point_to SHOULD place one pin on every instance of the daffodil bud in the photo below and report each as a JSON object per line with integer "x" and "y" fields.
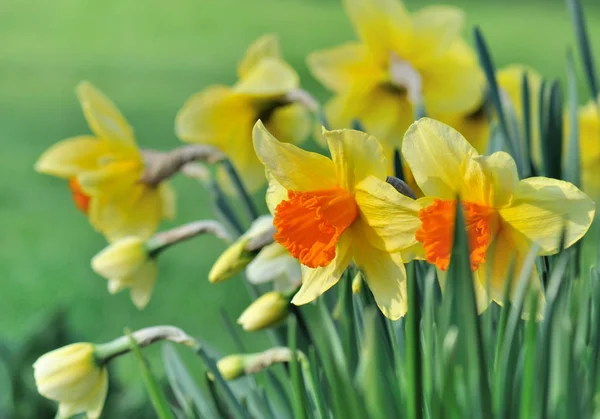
{"x": 238, "y": 365}
{"x": 268, "y": 310}
{"x": 74, "y": 378}
{"x": 232, "y": 366}
{"x": 127, "y": 263}
{"x": 239, "y": 255}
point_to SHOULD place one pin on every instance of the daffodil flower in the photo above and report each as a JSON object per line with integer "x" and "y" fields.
{"x": 223, "y": 116}
{"x": 589, "y": 143}
{"x": 104, "y": 172}
{"x": 72, "y": 376}
{"x": 329, "y": 212}
{"x": 503, "y": 215}
{"x": 401, "y": 62}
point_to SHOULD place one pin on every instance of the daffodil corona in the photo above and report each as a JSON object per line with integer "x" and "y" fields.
{"x": 401, "y": 62}
{"x": 504, "y": 216}
{"x": 224, "y": 116}
{"x": 104, "y": 172}
{"x": 329, "y": 212}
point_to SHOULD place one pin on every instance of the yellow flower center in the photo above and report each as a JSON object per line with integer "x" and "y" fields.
{"x": 437, "y": 231}
{"x": 82, "y": 201}
{"x": 309, "y": 224}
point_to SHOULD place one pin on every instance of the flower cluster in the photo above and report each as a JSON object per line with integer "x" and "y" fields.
{"x": 348, "y": 211}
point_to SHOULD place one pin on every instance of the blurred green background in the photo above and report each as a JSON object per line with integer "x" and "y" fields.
{"x": 149, "y": 57}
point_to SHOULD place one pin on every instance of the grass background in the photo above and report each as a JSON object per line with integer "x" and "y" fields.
{"x": 149, "y": 57}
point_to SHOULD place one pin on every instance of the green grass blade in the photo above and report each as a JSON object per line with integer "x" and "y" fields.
{"x": 552, "y": 131}
{"x": 413, "y": 345}
{"x": 347, "y": 321}
{"x": 572, "y": 167}
{"x": 529, "y": 364}
{"x": 299, "y": 399}
{"x": 585, "y": 50}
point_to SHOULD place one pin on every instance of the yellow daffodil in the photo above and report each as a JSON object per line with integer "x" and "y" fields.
{"x": 72, "y": 377}
{"x": 224, "y": 116}
{"x": 329, "y": 212}
{"x": 589, "y": 143}
{"x": 504, "y": 215}
{"x": 104, "y": 172}
{"x": 475, "y": 126}
{"x": 402, "y": 61}
{"x": 268, "y": 310}
{"x": 127, "y": 263}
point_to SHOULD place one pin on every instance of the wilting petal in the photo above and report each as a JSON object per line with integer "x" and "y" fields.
{"x": 71, "y": 157}
{"x": 543, "y": 207}
{"x": 291, "y": 166}
{"x": 142, "y": 284}
{"x": 269, "y": 77}
{"x": 267, "y": 46}
{"x": 355, "y": 155}
{"x": 442, "y": 162}
{"x": 102, "y": 115}
{"x": 343, "y": 67}
{"x": 393, "y": 216}
{"x": 453, "y": 82}
{"x": 318, "y": 280}
{"x": 384, "y": 272}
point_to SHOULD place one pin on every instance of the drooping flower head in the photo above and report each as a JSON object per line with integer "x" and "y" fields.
{"x": 223, "y": 116}
{"x": 71, "y": 376}
{"x": 104, "y": 172}
{"x": 504, "y": 216}
{"x": 330, "y": 212}
{"x": 401, "y": 61}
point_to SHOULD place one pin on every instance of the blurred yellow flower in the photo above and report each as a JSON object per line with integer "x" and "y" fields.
{"x": 589, "y": 143}
{"x": 503, "y": 215}
{"x": 329, "y": 212}
{"x": 126, "y": 263}
{"x": 71, "y": 376}
{"x": 223, "y": 116}
{"x": 402, "y": 61}
{"x": 104, "y": 172}
{"x": 268, "y": 310}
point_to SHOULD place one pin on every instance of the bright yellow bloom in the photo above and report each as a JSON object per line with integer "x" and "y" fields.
{"x": 104, "y": 172}
{"x": 328, "y": 212}
{"x": 126, "y": 263}
{"x": 401, "y": 61}
{"x": 504, "y": 215}
{"x": 71, "y": 376}
{"x": 268, "y": 310}
{"x": 223, "y": 116}
{"x": 589, "y": 143}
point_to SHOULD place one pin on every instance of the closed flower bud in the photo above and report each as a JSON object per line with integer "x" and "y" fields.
{"x": 72, "y": 377}
{"x": 268, "y": 310}
{"x": 127, "y": 264}
{"x": 232, "y": 366}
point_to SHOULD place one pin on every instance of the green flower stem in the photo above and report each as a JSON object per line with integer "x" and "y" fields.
{"x": 241, "y": 190}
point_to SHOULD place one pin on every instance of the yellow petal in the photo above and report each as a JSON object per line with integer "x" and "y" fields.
{"x": 115, "y": 178}
{"x": 290, "y": 123}
{"x": 345, "y": 66}
{"x": 269, "y": 77}
{"x": 102, "y": 115}
{"x": 168, "y": 199}
{"x": 318, "y": 280}
{"x": 436, "y": 28}
{"x": 501, "y": 173}
{"x": 393, "y": 216}
{"x": 453, "y": 82}
{"x": 356, "y": 155}
{"x": 71, "y": 157}
{"x": 543, "y": 207}
{"x": 92, "y": 403}
{"x": 142, "y": 284}
{"x": 589, "y": 142}
{"x": 291, "y": 166}
{"x": 384, "y": 273}
{"x": 275, "y": 193}
{"x": 121, "y": 259}
{"x": 475, "y": 127}
{"x": 267, "y": 46}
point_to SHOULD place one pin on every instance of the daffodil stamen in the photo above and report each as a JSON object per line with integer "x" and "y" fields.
{"x": 309, "y": 224}
{"x": 81, "y": 200}
{"x": 437, "y": 229}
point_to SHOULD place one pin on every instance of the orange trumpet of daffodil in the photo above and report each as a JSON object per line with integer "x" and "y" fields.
{"x": 504, "y": 216}
{"x": 330, "y": 212}
{"x": 104, "y": 172}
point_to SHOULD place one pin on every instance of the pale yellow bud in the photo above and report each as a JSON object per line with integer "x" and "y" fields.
{"x": 232, "y": 366}
{"x": 357, "y": 283}
{"x": 232, "y": 260}
{"x": 72, "y": 377}
{"x": 268, "y": 310}
{"x": 126, "y": 263}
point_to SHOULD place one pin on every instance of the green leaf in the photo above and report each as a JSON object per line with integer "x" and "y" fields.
{"x": 583, "y": 42}
{"x": 413, "y": 345}
{"x": 572, "y": 168}
{"x": 157, "y": 397}
{"x": 299, "y": 399}
{"x": 551, "y": 130}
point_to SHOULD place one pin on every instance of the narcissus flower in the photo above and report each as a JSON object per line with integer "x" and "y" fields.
{"x": 402, "y": 61}
{"x": 589, "y": 143}
{"x": 329, "y": 212}
{"x": 223, "y": 116}
{"x": 503, "y": 215}
{"x": 127, "y": 263}
{"x": 104, "y": 172}
{"x": 72, "y": 376}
